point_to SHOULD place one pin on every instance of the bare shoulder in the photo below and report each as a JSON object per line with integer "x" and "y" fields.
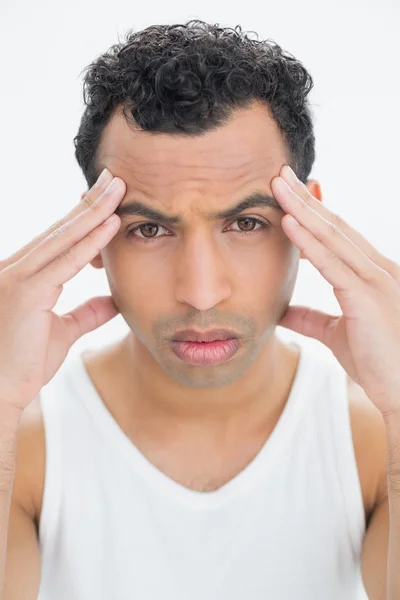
{"x": 369, "y": 439}
{"x": 30, "y": 461}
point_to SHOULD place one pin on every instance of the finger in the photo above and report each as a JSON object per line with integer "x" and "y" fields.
{"x": 311, "y": 323}
{"x": 92, "y": 195}
{"x": 69, "y": 263}
{"x": 355, "y": 236}
{"x": 331, "y": 237}
{"x": 69, "y": 234}
{"x": 331, "y": 267}
{"x": 89, "y": 316}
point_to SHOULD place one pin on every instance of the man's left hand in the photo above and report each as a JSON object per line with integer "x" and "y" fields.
{"x": 365, "y": 339}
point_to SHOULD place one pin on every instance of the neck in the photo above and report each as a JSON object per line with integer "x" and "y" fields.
{"x": 152, "y": 400}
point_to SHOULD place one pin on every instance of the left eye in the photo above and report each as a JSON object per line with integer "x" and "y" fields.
{"x": 149, "y": 229}
{"x": 252, "y": 221}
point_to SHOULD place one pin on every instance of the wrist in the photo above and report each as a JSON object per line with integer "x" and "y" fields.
{"x": 9, "y": 419}
{"x": 9, "y": 424}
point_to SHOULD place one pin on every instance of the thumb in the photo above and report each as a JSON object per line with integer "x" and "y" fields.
{"x": 89, "y": 316}
{"x": 309, "y": 322}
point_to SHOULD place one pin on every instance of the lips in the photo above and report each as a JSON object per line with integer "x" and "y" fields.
{"x": 206, "y": 353}
{"x": 191, "y": 335}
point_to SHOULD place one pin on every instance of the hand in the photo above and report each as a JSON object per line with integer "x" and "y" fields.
{"x": 34, "y": 341}
{"x": 365, "y": 339}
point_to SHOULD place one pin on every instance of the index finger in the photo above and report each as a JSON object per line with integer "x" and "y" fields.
{"x": 104, "y": 179}
{"x": 299, "y": 188}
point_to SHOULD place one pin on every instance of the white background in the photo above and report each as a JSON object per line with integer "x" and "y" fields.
{"x": 351, "y": 48}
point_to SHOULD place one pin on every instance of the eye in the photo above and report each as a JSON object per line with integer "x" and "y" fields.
{"x": 147, "y": 232}
{"x": 249, "y": 224}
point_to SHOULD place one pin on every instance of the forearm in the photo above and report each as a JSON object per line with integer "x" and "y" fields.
{"x": 393, "y": 478}
{"x": 8, "y": 439}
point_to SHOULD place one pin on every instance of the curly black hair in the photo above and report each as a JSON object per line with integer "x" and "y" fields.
{"x": 186, "y": 79}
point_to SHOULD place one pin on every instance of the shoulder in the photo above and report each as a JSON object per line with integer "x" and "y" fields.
{"x": 369, "y": 440}
{"x": 30, "y": 461}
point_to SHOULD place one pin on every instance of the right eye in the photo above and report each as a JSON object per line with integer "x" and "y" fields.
{"x": 148, "y": 229}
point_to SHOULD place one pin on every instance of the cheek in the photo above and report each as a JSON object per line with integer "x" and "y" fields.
{"x": 266, "y": 283}
{"x": 263, "y": 278}
{"x": 269, "y": 261}
{"x": 139, "y": 283}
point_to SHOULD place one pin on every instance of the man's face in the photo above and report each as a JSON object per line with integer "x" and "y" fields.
{"x": 201, "y": 273}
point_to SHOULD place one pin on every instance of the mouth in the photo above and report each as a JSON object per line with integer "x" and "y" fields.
{"x": 205, "y": 348}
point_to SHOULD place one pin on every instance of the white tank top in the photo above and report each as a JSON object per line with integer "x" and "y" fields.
{"x": 289, "y": 526}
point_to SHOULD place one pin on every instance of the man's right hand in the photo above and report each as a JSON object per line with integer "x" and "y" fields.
{"x": 34, "y": 341}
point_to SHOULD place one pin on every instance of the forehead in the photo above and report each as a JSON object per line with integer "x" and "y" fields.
{"x": 248, "y": 149}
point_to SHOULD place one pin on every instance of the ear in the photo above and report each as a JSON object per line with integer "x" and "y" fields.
{"x": 97, "y": 261}
{"x": 315, "y": 190}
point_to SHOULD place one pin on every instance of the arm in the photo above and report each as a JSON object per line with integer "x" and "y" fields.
{"x": 9, "y": 422}
{"x": 23, "y": 569}
{"x": 393, "y": 480}
{"x": 34, "y": 340}
{"x": 375, "y": 551}
{"x": 365, "y": 339}
{"x": 380, "y": 561}
{"x": 19, "y": 548}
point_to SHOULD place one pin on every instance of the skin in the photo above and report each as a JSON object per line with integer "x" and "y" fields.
{"x": 203, "y": 275}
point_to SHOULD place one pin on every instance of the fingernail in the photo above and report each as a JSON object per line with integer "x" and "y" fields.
{"x": 112, "y": 187}
{"x": 291, "y": 175}
{"x": 103, "y": 180}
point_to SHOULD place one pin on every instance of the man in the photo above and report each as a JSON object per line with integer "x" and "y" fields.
{"x": 201, "y": 455}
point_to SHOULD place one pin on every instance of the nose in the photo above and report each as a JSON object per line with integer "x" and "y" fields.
{"x": 203, "y": 278}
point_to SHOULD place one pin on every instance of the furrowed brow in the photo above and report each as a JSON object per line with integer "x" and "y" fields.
{"x": 254, "y": 200}
{"x": 135, "y": 208}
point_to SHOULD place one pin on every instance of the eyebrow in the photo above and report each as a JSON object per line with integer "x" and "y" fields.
{"x": 256, "y": 199}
